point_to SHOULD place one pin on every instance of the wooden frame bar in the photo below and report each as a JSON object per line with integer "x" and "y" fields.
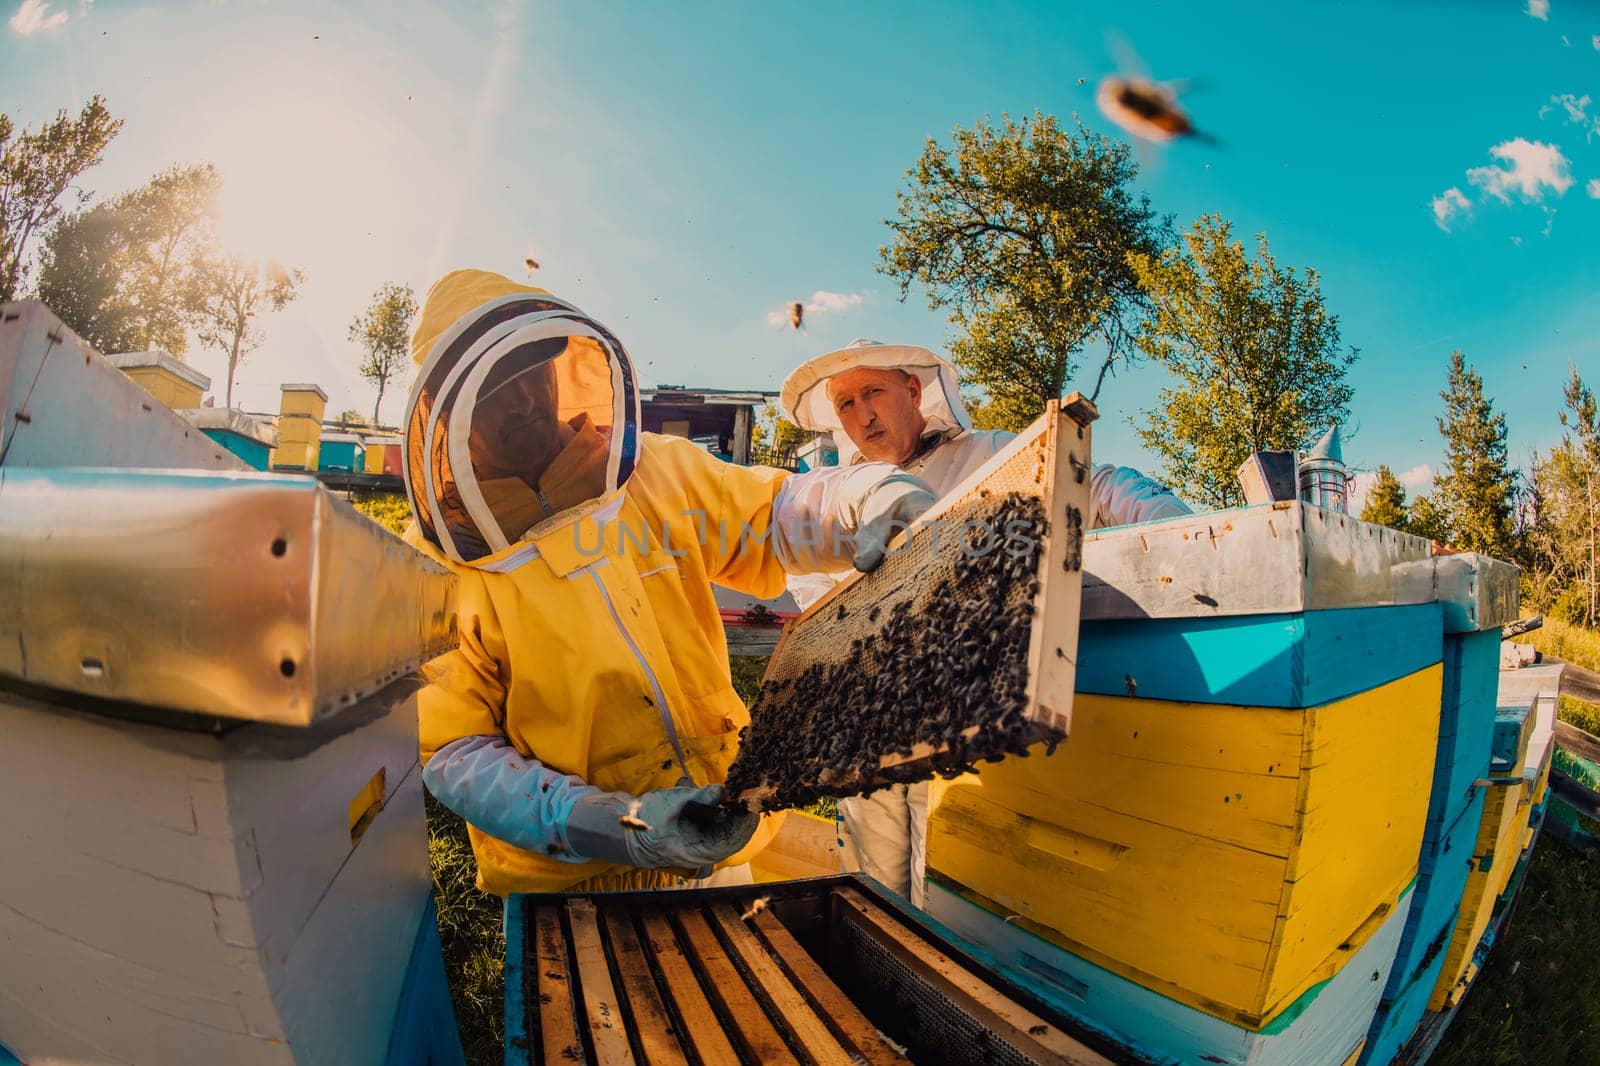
{"x": 1009, "y": 1020}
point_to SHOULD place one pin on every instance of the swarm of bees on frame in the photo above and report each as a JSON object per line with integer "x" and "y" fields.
{"x": 936, "y": 667}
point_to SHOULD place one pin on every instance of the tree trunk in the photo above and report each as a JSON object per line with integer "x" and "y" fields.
{"x": 1589, "y": 481}
{"x": 381, "y": 383}
{"x": 233, "y": 363}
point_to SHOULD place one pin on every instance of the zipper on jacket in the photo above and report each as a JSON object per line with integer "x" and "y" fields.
{"x": 655, "y": 685}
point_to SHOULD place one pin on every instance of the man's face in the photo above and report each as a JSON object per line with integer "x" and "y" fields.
{"x": 881, "y": 410}
{"x": 516, "y": 431}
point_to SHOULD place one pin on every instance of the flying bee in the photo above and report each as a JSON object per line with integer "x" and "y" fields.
{"x": 1145, "y": 109}
{"x": 531, "y": 263}
{"x": 757, "y": 905}
{"x": 797, "y": 314}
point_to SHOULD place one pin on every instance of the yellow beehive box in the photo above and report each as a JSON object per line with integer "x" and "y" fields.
{"x": 1229, "y": 857}
{"x": 300, "y": 427}
{"x": 1515, "y": 787}
{"x": 172, "y": 381}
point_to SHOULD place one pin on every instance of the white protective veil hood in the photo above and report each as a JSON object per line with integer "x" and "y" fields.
{"x": 805, "y": 401}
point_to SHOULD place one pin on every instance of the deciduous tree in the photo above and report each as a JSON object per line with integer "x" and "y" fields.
{"x": 384, "y": 332}
{"x": 1022, "y": 232}
{"x": 126, "y": 274}
{"x": 236, "y": 292}
{"x": 36, "y": 170}
{"x": 1257, "y": 357}
{"x": 1564, "y": 533}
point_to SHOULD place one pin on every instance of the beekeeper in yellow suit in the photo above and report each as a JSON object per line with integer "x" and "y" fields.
{"x": 585, "y": 722}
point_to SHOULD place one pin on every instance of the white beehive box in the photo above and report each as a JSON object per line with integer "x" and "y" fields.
{"x": 178, "y": 882}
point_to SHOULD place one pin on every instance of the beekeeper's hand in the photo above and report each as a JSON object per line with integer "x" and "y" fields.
{"x": 887, "y": 508}
{"x": 655, "y": 829}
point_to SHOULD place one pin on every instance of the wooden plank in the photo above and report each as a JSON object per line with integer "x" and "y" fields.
{"x": 1009, "y": 1020}
{"x": 558, "y": 1029}
{"x": 700, "y": 1022}
{"x": 843, "y": 1016}
{"x": 809, "y": 1030}
{"x": 750, "y": 1025}
{"x": 601, "y": 1009}
{"x": 1575, "y": 741}
{"x": 1155, "y": 1028}
{"x": 647, "y": 1013}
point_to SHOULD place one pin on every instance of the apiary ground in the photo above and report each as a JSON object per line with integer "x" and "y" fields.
{"x": 932, "y": 648}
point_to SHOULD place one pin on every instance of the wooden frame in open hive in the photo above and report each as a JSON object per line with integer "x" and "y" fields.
{"x": 962, "y": 645}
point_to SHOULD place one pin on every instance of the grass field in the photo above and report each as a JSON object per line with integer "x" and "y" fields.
{"x": 471, "y": 934}
{"x": 1564, "y": 640}
{"x": 1537, "y": 1001}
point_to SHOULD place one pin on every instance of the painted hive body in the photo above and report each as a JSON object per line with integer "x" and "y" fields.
{"x": 1327, "y": 1025}
{"x": 64, "y": 404}
{"x": 208, "y": 897}
{"x": 343, "y": 453}
{"x": 196, "y": 886}
{"x": 1229, "y": 856}
{"x": 1455, "y": 806}
{"x": 1516, "y": 790}
{"x": 1239, "y": 812}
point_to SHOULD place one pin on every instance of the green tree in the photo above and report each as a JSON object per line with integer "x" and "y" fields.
{"x": 1564, "y": 534}
{"x": 36, "y": 170}
{"x": 1023, "y": 232}
{"x": 1429, "y": 518}
{"x": 1386, "y": 501}
{"x": 126, "y": 274}
{"x": 235, "y": 292}
{"x": 384, "y": 332}
{"x": 1258, "y": 360}
{"x": 1478, "y": 487}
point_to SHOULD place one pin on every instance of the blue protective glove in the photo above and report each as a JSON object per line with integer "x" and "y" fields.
{"x": 523, "y": 802}
{"x": 506, "y": 794}
{"x": 653, "y": 829}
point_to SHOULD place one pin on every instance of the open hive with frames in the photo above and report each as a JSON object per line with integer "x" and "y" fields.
{"x": 960, "y": 647}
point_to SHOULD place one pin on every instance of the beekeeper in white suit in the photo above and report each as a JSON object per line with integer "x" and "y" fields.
{"x": 900, "y": 404}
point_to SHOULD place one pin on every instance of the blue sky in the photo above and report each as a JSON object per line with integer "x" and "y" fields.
{"x": 684, "y": 171}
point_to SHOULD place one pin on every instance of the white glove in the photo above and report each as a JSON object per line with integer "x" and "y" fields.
{"x": 889, "y": 507}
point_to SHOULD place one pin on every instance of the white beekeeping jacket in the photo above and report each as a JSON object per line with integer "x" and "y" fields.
{"x": 1120, "y": 495}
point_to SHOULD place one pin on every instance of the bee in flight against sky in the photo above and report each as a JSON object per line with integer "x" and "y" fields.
{"x": 1145, "y": 109}
{"x": 531, "y": 263}
{"x": 797, "y": 314}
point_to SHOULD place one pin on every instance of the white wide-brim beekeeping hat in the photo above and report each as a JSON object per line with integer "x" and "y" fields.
{"x": 805, "y": 400}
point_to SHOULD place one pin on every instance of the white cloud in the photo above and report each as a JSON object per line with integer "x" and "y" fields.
{"x": 1576, "y": 108}
{"x": 821, "y": 302}
{"x": 1539, "y": 9}
{"x": 34, "y": 16}
{"x": 1534, "y": 167}
{"x": 1447, "y": 205}
{"x": 1418, "y": 479}
{"x": 1593, "y": 188}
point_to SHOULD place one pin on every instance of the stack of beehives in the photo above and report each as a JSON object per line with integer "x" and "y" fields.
{"x": 214, "y": 842}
